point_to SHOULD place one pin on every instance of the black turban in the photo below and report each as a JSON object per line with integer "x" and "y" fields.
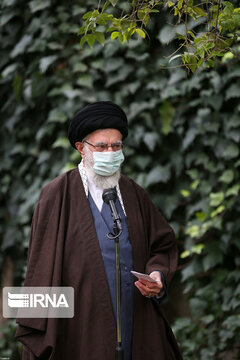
{"x": 99, "y": 115}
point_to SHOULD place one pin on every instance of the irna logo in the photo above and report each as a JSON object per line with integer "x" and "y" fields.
{"x": 38, "y": 302}
{"x": 35, "y": 300}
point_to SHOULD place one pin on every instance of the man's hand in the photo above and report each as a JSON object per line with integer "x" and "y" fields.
{"x": 148, "y": 288}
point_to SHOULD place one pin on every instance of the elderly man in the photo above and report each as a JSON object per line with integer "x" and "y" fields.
{"x": 69, "y": 247}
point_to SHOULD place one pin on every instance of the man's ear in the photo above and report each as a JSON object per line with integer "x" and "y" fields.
{"x": 80, "y": 147}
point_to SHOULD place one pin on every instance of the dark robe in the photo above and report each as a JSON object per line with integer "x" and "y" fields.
{"x": 64, "y": 251}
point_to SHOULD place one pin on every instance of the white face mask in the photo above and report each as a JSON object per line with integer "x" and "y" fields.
{"x": 107, "y": 163}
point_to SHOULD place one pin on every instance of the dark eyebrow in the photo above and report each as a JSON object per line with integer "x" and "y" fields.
{"x": 100, "y": 143}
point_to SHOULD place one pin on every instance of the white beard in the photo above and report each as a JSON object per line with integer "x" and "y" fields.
{"x": 102, "y": 182}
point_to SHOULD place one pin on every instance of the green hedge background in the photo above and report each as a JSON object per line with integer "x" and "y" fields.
{"x": 183, "y": 148}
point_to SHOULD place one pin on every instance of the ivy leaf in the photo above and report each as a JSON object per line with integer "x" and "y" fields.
{"x": 216, "y": 198}
{"x": 185, "y": 254}
{"x": 193, "y": 173}
{"x": 114, "y": 35}
{"x": 7, "y": 16}
{"x": 192, "y": 63}
{"x": 233, "y": 91}
{"x": 233, "y": 190}
{"x": 107, "y": 3}
{"x": 46, "y": 62}
{"x": 82, "y": 30}
{"x": 208, "y": 319}
{"x": 189, "y": 137}
{"x": 57, "y": 115}
{"x": 143, "y": 161}
{"x": 85, "y": 80}
{"x": 87, "y": 15}
{"x": 141, "y": 33}
{"x": 90, "y": 39}
{"x": 199, "y": 11}
{"x": 194, "y": 184}
{"x": 193, "y": 231}
{"x": 113, "y": 2}
{"x": 100, "y": 37}
{"x": 151, "y": 139}
{"x": 231, "y": 151}
{"x": 197, "y": 249}
{"x": 227, "y": 176}
{"x": 166, "y": 112}
{"x": 166, "y": 34}
{"x": 194, "y": 268}
{"x": 83, "y": 40}
{"x": 79, "y": 67}
{"x": 141, "y": 14}
{"x": 201, "y": 216}
{"x": 219, "y": 210}
{"x": 9, "y": 70}
{"x": 98, "y": 64}
{"x": 212, "y": 259}
{"x": 185, "y": 193}
{"x": 62, "y": 142}
{"x": 158, "y": 174}
{"x": 21, "y": 46}
{"x": 37, "y": 5}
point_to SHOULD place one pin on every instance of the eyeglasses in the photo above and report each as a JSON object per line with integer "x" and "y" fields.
{"x": 104, "y": 147}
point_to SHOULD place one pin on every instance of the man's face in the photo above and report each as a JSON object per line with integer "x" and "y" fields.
{"x": 98, "y": 137}
{"x": 111, "y": 137}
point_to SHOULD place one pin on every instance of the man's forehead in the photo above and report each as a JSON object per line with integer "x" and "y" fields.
{"x": 102, "y": 134}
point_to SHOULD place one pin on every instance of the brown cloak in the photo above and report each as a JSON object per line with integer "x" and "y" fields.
{"x": 64, "y": 251}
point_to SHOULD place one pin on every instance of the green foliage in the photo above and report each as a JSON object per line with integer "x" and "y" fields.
{"x": 216, "y": 297}
{"x": 9, "y": 348}
{"x": 183, "y": 147}
{"x": 122, "y": 27}
{"x": 202, "y": 47}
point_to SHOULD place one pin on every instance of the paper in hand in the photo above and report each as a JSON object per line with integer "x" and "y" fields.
{"x": 143, "y": 276}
